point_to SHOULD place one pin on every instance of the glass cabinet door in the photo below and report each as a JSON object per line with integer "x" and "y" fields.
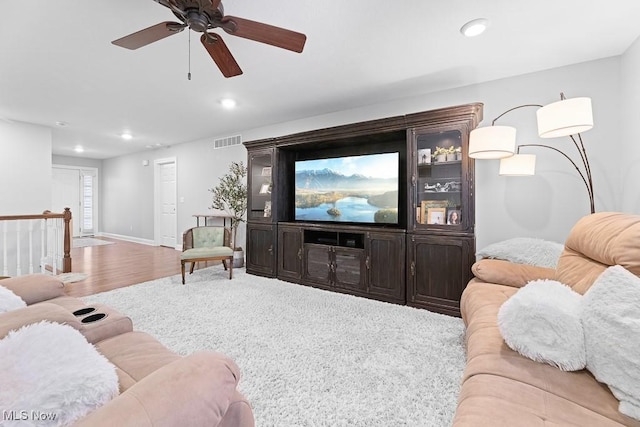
{"x": 260, "y": 186}
{"x": 439, "y": 180}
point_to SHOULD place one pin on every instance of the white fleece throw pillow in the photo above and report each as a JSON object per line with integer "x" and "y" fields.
{"x": 525, "y": 250}
{"x": 611, "y": 319}
{"x": 51, "y": 376}
{"x": 542, "y": 322}
{"x": 9, "y": 301}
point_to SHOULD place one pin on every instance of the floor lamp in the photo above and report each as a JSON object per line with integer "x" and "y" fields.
{"x": 567, "y": 117}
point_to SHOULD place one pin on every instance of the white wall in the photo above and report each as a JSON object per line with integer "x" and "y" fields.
{"x": 544, "y": 206}
{"x": 25, "y": 168}
{"x": 548, "y": 204}
{"x": 25, "y": 188}
{"x": 628, "y": 157}
{"x": 128, "y": 187}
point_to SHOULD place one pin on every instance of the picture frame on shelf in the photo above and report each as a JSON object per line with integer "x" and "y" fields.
{"x": 424, "y": 156}
{"x": 425, "y": 205}
{"x": 454, "y": 216}
{"x": 265, "y": 189}
{"x": 266, "y": 171}
{"x": 436, "y": 216}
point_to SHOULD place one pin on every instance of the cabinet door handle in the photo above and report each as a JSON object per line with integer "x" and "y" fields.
{"x": 366, "y": 262}
{"x": 300, "y": 253}
{"x": 413, "y": 268}
{"x": 270, "y": 249}
{"x": 413, "y": 180}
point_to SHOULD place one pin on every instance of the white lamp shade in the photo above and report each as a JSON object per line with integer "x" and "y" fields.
{"x": 492, "y": 142}
{"x": 518, "y": 165}
{"x": 564, "y": 118}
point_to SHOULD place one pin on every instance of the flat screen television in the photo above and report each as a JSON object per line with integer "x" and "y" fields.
{"x": 354, "y": 189}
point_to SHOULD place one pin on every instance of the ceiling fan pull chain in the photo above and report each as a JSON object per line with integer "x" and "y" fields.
{"x": 189, "y": 72}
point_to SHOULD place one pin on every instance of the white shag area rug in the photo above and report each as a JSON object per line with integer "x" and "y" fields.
{"x": 83, "y": 242}
{"x": 308, "y": 357}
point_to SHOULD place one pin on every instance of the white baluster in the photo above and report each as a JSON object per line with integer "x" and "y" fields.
{"x": 43, "y": 230}
{"x": 54, "y": 263}
{"x": 5, "y": 271}
{"x": 18, "y": 266}
{"x": 31, "y": 247}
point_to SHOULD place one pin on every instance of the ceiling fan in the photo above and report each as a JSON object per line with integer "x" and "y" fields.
{"x": 204, "y": 15}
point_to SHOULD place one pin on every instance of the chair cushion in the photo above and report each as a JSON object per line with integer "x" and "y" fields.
{"x": 207, "y": 237}
{"x": 195, "y": 253}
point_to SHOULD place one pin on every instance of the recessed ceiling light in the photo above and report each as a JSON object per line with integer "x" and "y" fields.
{"x": 78, "y": 149}
{"x": 126, "y": 136}
{"x": 474, "y": 28}
{"x": 228, "y": 103}
{"x": 61, "y": 124}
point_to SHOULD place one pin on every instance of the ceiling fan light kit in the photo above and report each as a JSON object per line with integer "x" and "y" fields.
{"x": 204, "y": 15}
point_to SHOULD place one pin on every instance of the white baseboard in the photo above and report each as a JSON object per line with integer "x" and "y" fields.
{"x": 128, "y": 238}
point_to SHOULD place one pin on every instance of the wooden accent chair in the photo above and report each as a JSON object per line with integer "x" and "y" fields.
{"x": 206, "y": 243}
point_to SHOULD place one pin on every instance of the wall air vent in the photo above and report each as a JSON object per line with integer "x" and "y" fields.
{"x": 229, "y": 141}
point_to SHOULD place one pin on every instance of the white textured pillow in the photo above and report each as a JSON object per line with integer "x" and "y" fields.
{"x": 525, "y": 250}
{"x": 542, "y": 322}
{"x": 611, "y": 319}
{"x": 51, "y": 370}
{"x": 9, "y": 301}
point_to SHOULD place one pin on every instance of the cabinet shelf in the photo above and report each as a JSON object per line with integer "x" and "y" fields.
{"x": 440, "y": 192}
{"x": 436, "y": 164}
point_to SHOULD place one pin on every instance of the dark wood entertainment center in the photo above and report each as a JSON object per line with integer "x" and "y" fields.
{"x": 424, "y": 260}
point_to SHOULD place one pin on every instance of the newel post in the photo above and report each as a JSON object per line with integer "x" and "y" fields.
{"x": 66, "y": 260}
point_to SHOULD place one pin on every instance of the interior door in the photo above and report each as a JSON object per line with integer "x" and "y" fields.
{"x": 66, "y": 194}
{"x": 168, "y": 224}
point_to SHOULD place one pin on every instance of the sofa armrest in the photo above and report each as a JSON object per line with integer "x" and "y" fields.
{"x": 15, "y": 319}
{"x": 197, "y": 390}
{"x": 503, "y": 272}
{"x": 33, "y": 288}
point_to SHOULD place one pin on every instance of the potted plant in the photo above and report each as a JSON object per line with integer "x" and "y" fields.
{"x": 451, "y": 154}
{"x": 230, "y": 196}
{"x": 440, "y": 154}
{"x": 458, "y": 153}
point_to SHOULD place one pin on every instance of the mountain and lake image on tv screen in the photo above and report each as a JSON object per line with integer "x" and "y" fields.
{"x": 358, "y": 189}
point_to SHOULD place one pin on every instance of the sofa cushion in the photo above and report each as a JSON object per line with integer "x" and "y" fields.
{"x": 503, "y": 272}
{"x": 34, "y": 313}
{"x": 33, "y": 288}
{"x": 611, "y": 317}
{"x": 9, "y": 301}
{"x": 596, "y": 242}
{"x": 524, "y": 250}
{"x": 51, "y": 369}
{"x": 488, "y": 354}
{"x": 488, "y": 400}
{"x": 542, "y": 322}
{"x": 135, "y": 355}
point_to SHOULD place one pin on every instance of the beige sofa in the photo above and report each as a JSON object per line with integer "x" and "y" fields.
{"x": 157, "y": 386}
{"x": 501, "y": 387}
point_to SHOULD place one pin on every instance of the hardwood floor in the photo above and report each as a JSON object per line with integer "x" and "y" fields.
{"x": 120, "y": 264}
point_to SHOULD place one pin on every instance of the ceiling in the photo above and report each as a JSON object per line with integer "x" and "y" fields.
{"x": 57, "y": 63}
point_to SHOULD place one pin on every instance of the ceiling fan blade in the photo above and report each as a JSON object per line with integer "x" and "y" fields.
{"x": 149, "y": 35}
{"x": 264, "y": 33}
{"x": 220, "y": 54}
